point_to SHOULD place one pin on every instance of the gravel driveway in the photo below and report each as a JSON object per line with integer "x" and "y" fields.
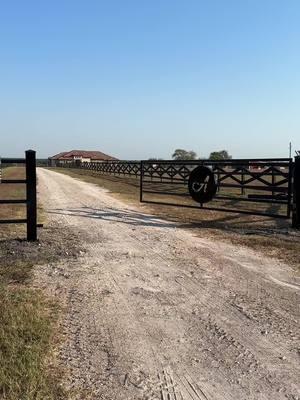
{"x": 153, "y": 312}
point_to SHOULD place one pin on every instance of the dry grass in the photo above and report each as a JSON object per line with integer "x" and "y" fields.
{"x": 274, "y": 237}
{"x": 10, "y": 211}
{"x": 26, "y": 321}
{"x": 27, "y": 318}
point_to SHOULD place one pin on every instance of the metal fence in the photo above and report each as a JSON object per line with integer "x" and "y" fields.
{"x": 106, "y": 167}
{"x": 114, "y": 167}
{"x": 268, "y": 187}
{"x": 296, "y": 193}
{"x": 256, "y": 187}
{"x": 31, "y": 197}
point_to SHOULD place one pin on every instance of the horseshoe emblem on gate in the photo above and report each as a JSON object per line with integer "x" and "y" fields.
{"x": 202, "y": 184}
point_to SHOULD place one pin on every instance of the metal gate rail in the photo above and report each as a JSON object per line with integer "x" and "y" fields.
{"x": 265, "y": 186}
{"x": 239, "y": 181}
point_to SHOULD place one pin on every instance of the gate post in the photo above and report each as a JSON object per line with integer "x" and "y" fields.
{"x": 141, "y": 180}
{"x": 296, "y": 194}
{"x": 31, "y": 195}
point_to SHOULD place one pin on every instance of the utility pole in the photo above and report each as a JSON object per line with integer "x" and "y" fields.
{"x": 290, "y": 147}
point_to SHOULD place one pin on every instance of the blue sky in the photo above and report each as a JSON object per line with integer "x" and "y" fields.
{"x": 137, "y": 79}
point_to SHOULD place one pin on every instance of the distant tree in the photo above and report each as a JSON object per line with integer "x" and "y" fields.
{"x": 180, "y": 154}
{"x": 155, "y": 159}
{"x": 220, "y": 155}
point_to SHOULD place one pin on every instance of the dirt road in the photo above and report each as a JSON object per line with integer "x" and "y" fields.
{"x": 153, "y": 312}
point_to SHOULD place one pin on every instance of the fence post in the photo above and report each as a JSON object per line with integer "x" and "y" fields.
{"x": 31, "y": 195}
{"x": 296, "y": 194}
{"x": 242, "y": 180}
{"x": 141, "y": 180}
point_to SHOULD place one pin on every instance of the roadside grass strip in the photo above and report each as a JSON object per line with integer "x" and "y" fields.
{"x": 25, "y": 334}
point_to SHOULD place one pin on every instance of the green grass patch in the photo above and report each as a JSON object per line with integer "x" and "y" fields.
{"x": 25, "y": 332}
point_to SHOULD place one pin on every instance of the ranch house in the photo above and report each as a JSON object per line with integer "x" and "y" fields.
{"x": 78, "y": 156}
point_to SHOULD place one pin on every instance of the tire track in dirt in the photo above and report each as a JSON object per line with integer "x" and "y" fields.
{"x": 219, "y": 328}
{"x": 153, "y": 312}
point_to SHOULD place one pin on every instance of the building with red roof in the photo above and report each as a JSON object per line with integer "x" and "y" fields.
{"x": 79, "y": 156}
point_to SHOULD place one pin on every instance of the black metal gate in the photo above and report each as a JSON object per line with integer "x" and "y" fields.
{"x": 248, "y": 186}
{"x": 268, "y": 187}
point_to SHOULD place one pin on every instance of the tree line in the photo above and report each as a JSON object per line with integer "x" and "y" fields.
{"x": 181, "y": 154}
